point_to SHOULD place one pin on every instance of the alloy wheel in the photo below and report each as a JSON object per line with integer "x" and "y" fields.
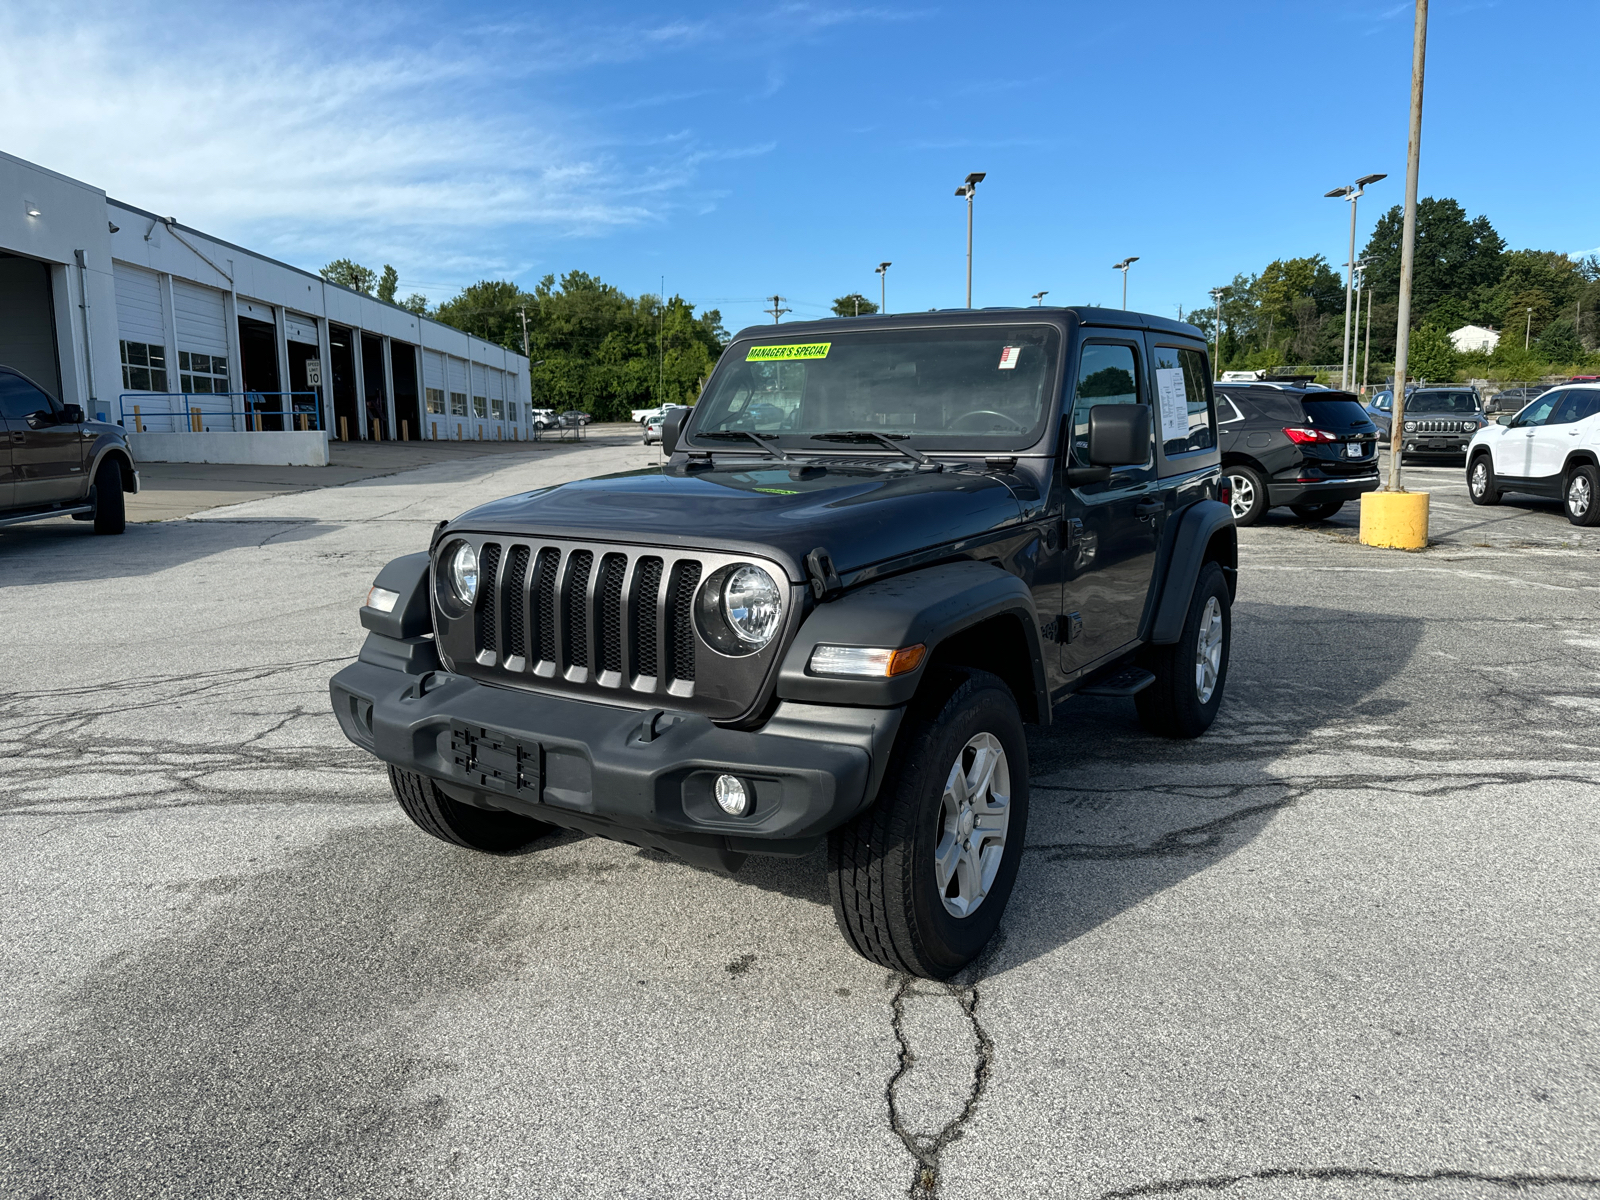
{"x": 974, "y": 814}
{"x": 1242, "y": 496}
{"x": 1480, "y": 478}
{"x": 1208, "y": 651}
{"x": 1579, "y": 496}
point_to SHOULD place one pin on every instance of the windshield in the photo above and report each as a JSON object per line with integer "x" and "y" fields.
{"x": 1464, "y": 403}
{"x": 986, "y": 388}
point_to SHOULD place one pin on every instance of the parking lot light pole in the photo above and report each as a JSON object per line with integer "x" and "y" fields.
{"x": 1123, "y": 267}
{"x": 882, "y": 272}
{"x": 1352, "y": 193}
{"x": 1360, "y": 273}
{"x": 1527, "y": 332}
{"x": 970, "y": 189}
{"x": 1216, "y": 363}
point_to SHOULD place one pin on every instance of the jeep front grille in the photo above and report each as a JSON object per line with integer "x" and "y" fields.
{"x": 1446, "y": 427}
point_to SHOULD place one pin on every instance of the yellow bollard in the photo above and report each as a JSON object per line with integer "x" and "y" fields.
{"x": 194, "y": 418}
{"x": 1398, "y": 520}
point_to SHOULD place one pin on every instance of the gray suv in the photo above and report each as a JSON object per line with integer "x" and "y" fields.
{"x": 55, "y": 463}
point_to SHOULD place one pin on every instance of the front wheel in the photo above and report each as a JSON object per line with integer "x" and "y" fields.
{"x": 1247, "y": 494}
{"x": 1190, "y": 675}
{"x": 920, "y": 880}
{"x": 489, "y": 831}
{"x": 1316, "y": 512}
{"x": 1481, "y": 484}
{"x": 110, "y": 506}
{"x": 1579, "y": 496}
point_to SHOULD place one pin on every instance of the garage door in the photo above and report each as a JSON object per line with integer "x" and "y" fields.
{"x": 139, "y": 317}
{"x": 300, "y": 329}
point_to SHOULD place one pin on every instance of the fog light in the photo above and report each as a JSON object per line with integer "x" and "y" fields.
{"x": 733, "y": 795}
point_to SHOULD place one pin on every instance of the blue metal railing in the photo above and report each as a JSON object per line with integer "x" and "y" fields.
{"x": 219, "y": 412}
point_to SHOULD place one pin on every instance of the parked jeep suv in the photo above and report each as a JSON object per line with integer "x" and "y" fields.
{"x": 54, "y": 463}
{"x": 1311, "y": 450}
{"x": 1439, "y": 422}
{"x": 877, "y": 548}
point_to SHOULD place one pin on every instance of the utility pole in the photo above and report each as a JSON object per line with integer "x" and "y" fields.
{"x": 882, "y": 272}
{"x": 1527, "y": 333}
{"x": 969, "y": 189}
{"x": 1359, "y": 271}
{"x": 1038, "y": 298}
{"x": 661, "y": 350}
{"x": 777, "y": 310}
{"x": 523, "y": 309}
{"x": 1123, "y": 267}
{"x": 1216, "y": 363}
{"x": 1366, "y": 355}
{"x": 1352, "y": 193}
{"x": 1408, "y": 247}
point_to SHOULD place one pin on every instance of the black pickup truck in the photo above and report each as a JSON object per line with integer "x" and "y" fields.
{"x": 878, "y": 546}
{"x": 55, "y": 463}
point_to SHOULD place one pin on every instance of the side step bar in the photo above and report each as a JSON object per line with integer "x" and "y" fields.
{"x": 1129, "y": 682}
{"x": 75, "y": 511}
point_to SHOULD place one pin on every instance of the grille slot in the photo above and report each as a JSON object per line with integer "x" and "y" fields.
{"x": 608, "y": 598}
{"x": 545, "y": 603}
{"x": 575, "y": 609}
{"x": 680, "y": 620}
{"x": 488, "y": 570}
{"x": 514, "y": 599}
{"x": 646, "y": 596}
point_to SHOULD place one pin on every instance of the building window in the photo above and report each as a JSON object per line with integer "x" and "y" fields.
{"x": 144, "y": 367}
{"x": 435, "y": 400}
{"x": 480, "y": 406}
{"x": 511, "y": 411}
{"x": 458, "y": 403}
{"x": 206, "y": 374}
{"x": 499, "y": 408}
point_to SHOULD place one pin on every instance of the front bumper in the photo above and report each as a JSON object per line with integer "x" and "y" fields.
{"x": 640, "y": 776}
{"x": 1444, "y": 444}
{"x": 1320, "y": 491}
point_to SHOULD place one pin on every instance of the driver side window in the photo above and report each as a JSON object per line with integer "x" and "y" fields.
{"x": 19, "y": 399}
{"x": 1107, "y": 374}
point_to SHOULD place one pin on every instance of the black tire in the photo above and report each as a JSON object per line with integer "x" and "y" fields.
{"x": 1173, "y": 706}
{"x": 110, "y": 508}
{"x": 1580, "y": 495}
{"x": 488, "y": 831}
{"x": 1481, "y": 484}
{"x": 1249, "y": 492}
{"x": 1316, "y": 512}
{"x": 881, "y": 873}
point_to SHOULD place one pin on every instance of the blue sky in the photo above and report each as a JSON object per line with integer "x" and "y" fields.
{"x": 742, "y": 150}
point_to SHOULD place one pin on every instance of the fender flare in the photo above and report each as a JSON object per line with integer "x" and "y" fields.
{"x": 124, "y": 457}
{"x": 926, "y": 606}
{"x": 1179, "y": 568}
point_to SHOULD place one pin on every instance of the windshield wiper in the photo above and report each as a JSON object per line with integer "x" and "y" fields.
{"x": 726, "y": 434}
{"x": 867, "y": 435}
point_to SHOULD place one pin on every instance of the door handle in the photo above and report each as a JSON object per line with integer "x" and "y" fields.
{"x": 1148, "y": 507}
{"x": 19, "y": 438}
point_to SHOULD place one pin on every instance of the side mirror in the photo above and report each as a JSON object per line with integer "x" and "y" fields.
{"x": 1119, "y": 434}
{"x": 73, "y": 414}
{"x": 670, "y": 425}
{"x": 1505, "y": 418}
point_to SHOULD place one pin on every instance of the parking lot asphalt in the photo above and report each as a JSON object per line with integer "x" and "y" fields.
{"x": 1344, "y": 945}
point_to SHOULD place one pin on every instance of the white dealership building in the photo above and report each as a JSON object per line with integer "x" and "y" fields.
{"x": 208, "y": 352}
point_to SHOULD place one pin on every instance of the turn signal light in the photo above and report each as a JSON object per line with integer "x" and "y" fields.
{"x": 382, "y": 599}
{"x": 866, "y": 662}
{"x": 1300, "y": 434}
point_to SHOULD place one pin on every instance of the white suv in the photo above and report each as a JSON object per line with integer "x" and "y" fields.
{"x": 1551, "y": 448}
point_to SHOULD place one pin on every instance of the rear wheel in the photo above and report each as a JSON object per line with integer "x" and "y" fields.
{"x": 1247, "y": 494}
{"x": 488, "y": 831}
{"x": 920, "y": 880}
{"x": 110, "y": 509}
{"x": 1580, "y": 496}
{"x": 1481, "y": 484}
{"x": 1190, "y": 675}
{"x": 1316, "y": 512}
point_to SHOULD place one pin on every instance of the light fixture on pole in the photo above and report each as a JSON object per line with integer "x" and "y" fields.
{"x": 1216, "y": 363}
{"x": 1352, "y": 193}
{"x": 882, "y": 272}
{"x": 1123, "y": 267}
{"x": 1038, "y": 298}
{"x": 969, "y": 189}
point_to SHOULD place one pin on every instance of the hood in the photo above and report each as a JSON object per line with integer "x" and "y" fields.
{"x": 862, "y": 516}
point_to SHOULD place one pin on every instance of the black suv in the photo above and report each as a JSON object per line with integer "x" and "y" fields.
{"x": 54, "y": 463}
{"x": 878, "y": 546}
{"x": 1439, "y": 422}
{"x": 1310, "y": 449}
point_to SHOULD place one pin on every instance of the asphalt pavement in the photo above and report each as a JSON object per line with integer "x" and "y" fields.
{"x": 1344, "y": 945}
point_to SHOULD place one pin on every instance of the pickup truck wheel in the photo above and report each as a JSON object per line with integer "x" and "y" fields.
{"x": 1247, "y": 494}
{"x": 482, "y": 829}
{"x": 1190, "y": 675}
{"x": 920, "y": 880}
{"x": 110, "y": 509}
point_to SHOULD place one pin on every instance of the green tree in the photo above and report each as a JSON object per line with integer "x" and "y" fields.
{"x": 415, "y": 303}
{"x": 1558, "y": 344}
{"x": 1432, "y": 354}
{"x": 388, "y": 284}
{"x": 1455, "y": 257}
{"x": 487, "y": 309}
{"x": 853, "y": 305}
{"x": 351, "y": 275}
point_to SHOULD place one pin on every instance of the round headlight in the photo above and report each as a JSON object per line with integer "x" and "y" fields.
{"x": 464, "y": 573}
{"x": 1411, "y": 426}
{"x": 752, "y": 605}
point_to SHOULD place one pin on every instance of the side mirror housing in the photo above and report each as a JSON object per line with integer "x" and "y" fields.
{"x": 670, "y": 425}
{"x": 1505, "y": 418}
{"x": 73, "y": 414}
{"x": 1119, "y": 434}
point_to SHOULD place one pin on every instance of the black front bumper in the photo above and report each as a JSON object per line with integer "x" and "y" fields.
{"x": 640, "y": 776}
{"x": 1446, "y": 445}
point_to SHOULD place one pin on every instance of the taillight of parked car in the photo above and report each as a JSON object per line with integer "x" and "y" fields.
{"x": 1224, "y": 492}
{"x": 1300, "y": 434}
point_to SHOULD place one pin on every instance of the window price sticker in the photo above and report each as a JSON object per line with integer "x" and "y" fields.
{"x": 1174, "y": 404}
{"x": 1009, "y": 356}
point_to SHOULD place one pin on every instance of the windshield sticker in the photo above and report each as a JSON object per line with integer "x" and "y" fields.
{"x": 1174, "y": 403}
{"x": 1009, "y": 356}
{"x": 787, "y": 353}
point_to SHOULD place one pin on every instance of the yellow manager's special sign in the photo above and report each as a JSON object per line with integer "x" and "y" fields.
{"x": 787, "y": 353}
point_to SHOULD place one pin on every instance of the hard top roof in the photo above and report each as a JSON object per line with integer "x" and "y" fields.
{"x": 1064, "y": 317}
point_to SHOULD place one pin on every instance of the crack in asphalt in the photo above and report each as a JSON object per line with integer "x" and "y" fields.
{"x": 1517, "y": 1181}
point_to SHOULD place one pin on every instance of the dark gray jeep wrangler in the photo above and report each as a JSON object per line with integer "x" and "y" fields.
{"x": 877, "y": 548}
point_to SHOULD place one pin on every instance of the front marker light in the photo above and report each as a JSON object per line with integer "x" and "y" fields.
{"x": 382, "y": 599}
{"x": 865, "y": 662}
